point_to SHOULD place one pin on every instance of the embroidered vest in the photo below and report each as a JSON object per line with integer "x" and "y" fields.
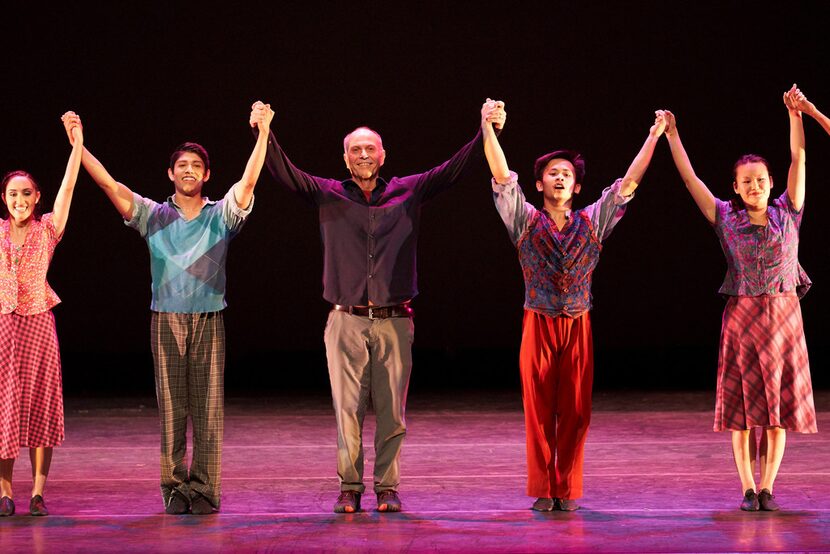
{"x": 558, "y": 266}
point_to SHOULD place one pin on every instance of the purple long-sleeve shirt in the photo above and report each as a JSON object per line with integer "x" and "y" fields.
{"x": 369, "y": 246}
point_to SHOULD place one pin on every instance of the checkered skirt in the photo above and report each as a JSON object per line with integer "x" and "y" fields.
{"x": 763, "y": 370}
{"x": 31, "y": 396}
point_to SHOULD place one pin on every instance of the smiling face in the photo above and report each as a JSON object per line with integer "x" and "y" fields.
{"x": 364, "y": 154}
{"x": 189, "y": 174}
{"x": 558, "y": 183}
{"x": 21, "y": 196}
{"x": 753, "y": 184}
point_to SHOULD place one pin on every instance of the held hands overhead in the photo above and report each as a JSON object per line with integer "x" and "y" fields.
{"x": 492, "y": 112}
{"x": 660, "y": 124}
{"x": 261, "y": 116}
{"x": 795, "y": 101}
{"x": 74, "y": 128}
{"x": 671, "y": 123}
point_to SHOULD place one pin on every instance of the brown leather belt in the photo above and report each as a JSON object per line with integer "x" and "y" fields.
{"x": 376, "y": 312}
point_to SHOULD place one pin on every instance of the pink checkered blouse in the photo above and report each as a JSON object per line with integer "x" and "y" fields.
{"x": 23, "y": 286}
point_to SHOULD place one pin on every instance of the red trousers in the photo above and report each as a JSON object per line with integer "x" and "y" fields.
{"x": 557, "y": 369}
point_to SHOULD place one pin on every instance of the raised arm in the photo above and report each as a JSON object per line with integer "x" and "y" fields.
{"x": 638, "y": 167}
{"x": 72, "y": 124}
{"x": 810, "y": 109}
{"x": 261, "y": 116}
{"x": 798, "y": 159}
{"x": 449, "y": 173}
{"x": 120, "y": 196}
{"x": 493, "y": 116}
{"x": 701, "y": 194}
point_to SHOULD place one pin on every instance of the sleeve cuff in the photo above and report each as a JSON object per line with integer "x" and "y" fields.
{"x": 620, "y": 199}
{"x": 138, "y": 202}
{"x": 505, "y": 187}
{"x": 230, "y": 199}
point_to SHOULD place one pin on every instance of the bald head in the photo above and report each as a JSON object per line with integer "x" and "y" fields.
{"x": 361, "y": 131}
{"x": 364, "y": 155}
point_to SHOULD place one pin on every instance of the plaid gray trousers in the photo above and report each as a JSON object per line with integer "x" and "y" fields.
{"x": 189, "y": 358}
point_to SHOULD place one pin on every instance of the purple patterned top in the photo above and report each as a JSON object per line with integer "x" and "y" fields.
{"x": 761, "y": 259}
{"x": 558, "y": 265}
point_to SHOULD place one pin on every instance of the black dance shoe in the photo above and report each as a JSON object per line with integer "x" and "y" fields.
{"x": 37, "y": 507}
{"x": 6, "y": 507}
{"x": 750, "y": 501}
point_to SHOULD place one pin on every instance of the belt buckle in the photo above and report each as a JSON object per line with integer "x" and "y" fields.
{"x": 371, "y": 314}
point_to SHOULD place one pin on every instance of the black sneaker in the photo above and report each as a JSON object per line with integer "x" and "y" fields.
{"x": 6, "y": 506}
{"x": 347, "y": 503}
{"x": 177, "y": 504}
{"x": 750, "y": 501}
{"x": 200, "y": 505}
{"x": 389, "y": 501}
{"x": 37, "y": 507}
{"x": 767, "y": 501}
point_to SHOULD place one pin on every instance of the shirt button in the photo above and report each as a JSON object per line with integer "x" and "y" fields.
{"x": 370, "y": 276}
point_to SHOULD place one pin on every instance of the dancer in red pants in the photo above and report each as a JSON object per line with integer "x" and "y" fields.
{"x": 558, "y": 251}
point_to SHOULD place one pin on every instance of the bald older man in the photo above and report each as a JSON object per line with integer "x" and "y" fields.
{"x": 369, "y": 229}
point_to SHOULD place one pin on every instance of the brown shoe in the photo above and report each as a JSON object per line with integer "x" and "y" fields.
{"x": 201, "y": 506}
{"x": 6, "y": 506}
{"x": 565, "y": 504}
{"x": 37, "y": 507}
{"x": 177, "y": 504}
{"x": 767, "y": 502}
{"x": 543, "y": 505}
{"x": 389, "y": 501}
{"x": 347, "y": 503}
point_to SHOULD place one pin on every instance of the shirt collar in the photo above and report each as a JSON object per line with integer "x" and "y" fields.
{"x": 172, "y": 201}
{"x": 353, "y": 188}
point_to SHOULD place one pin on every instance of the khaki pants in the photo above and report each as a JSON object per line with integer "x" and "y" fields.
{"x": 369, "y": 359}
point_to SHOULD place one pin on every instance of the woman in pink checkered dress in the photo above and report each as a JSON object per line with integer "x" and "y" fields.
{"x": 31, "y": 399}
{"x": 763, "y": 370}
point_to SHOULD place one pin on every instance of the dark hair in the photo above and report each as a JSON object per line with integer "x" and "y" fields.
{"x": 197, "y": 149}
{"x": 26, "y": 175}
{"x": 749, "y": 159}
{"x": 738, "y": 203}
{"x": 572, "y": 156}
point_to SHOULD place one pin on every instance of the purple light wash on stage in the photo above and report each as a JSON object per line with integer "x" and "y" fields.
{"x": 558, "y": 265}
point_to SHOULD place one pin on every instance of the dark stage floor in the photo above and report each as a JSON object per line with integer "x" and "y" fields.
{"x": 657, "y": 480}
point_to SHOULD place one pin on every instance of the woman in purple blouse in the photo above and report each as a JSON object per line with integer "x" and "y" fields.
{"x": 763, "y": 370}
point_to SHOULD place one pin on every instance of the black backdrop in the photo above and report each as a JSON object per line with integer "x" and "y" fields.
{"x": 584, "y": 75}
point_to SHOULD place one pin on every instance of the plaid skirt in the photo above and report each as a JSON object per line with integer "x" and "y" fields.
{"x": 31, "y": 396}
{"x": 763, "y": 370}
